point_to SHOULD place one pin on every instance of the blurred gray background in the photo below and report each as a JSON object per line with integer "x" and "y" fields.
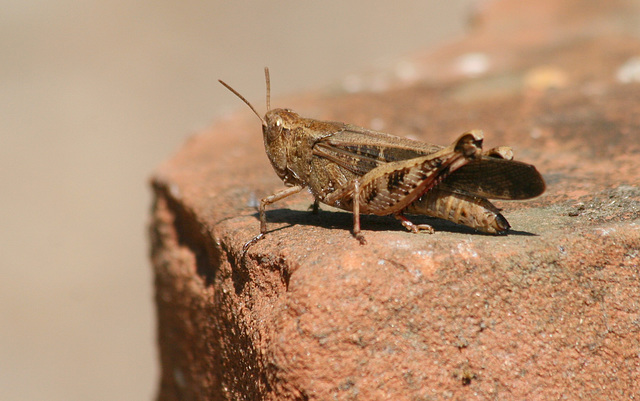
{"x": 93, "y": 95}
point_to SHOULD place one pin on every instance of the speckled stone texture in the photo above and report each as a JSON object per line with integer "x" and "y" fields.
{"x": 551, "y": 311}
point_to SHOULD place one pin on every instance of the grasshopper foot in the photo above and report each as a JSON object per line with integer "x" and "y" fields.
{"x": 414, "y": 228}
{"x": 315, "y": 208}
{"x": 250, "y": 243}
{"x": 360, "y": 237}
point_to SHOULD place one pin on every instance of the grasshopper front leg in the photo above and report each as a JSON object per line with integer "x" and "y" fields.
{"x": 283, "y": 193}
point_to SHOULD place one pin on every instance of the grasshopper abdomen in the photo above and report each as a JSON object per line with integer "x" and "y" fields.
{"x": 469, "y": 210}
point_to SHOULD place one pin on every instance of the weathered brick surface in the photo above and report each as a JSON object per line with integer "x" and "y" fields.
{"x": 550, "y": 311}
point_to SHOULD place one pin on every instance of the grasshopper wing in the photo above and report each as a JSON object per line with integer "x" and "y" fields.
{"x": 496, "y": 178}
{"x": 360, "y": 150}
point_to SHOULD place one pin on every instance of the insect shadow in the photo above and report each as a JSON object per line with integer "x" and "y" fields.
{"x": 343, "y": 220}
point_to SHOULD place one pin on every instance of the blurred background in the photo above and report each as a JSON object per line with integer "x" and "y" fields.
{"x": 94, "y": 95}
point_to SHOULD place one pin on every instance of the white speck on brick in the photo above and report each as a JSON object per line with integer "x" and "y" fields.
{"x": 473, "y": 64}
{"x": 629, "y": 71}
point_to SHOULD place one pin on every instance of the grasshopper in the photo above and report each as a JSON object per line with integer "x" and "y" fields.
{"x": 370, "y": 172}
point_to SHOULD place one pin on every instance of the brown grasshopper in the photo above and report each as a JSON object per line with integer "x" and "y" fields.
{"x": 370, "y": 172}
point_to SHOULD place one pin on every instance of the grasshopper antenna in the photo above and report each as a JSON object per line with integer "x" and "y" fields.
{"x": 268, "y": 81}
{"x": 235, "y": 92}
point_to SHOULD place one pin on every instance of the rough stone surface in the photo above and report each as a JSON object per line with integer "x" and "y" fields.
{"x": 551, "y": 311}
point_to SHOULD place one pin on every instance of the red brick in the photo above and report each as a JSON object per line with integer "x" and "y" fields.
{"x": 550, "y": 310}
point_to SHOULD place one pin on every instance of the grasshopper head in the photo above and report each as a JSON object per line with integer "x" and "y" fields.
{"x": 278, "y": 121}
{"x": 277, "y": 127}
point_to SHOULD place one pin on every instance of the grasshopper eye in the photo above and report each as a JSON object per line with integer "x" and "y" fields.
{"x": 275, "y": 130}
